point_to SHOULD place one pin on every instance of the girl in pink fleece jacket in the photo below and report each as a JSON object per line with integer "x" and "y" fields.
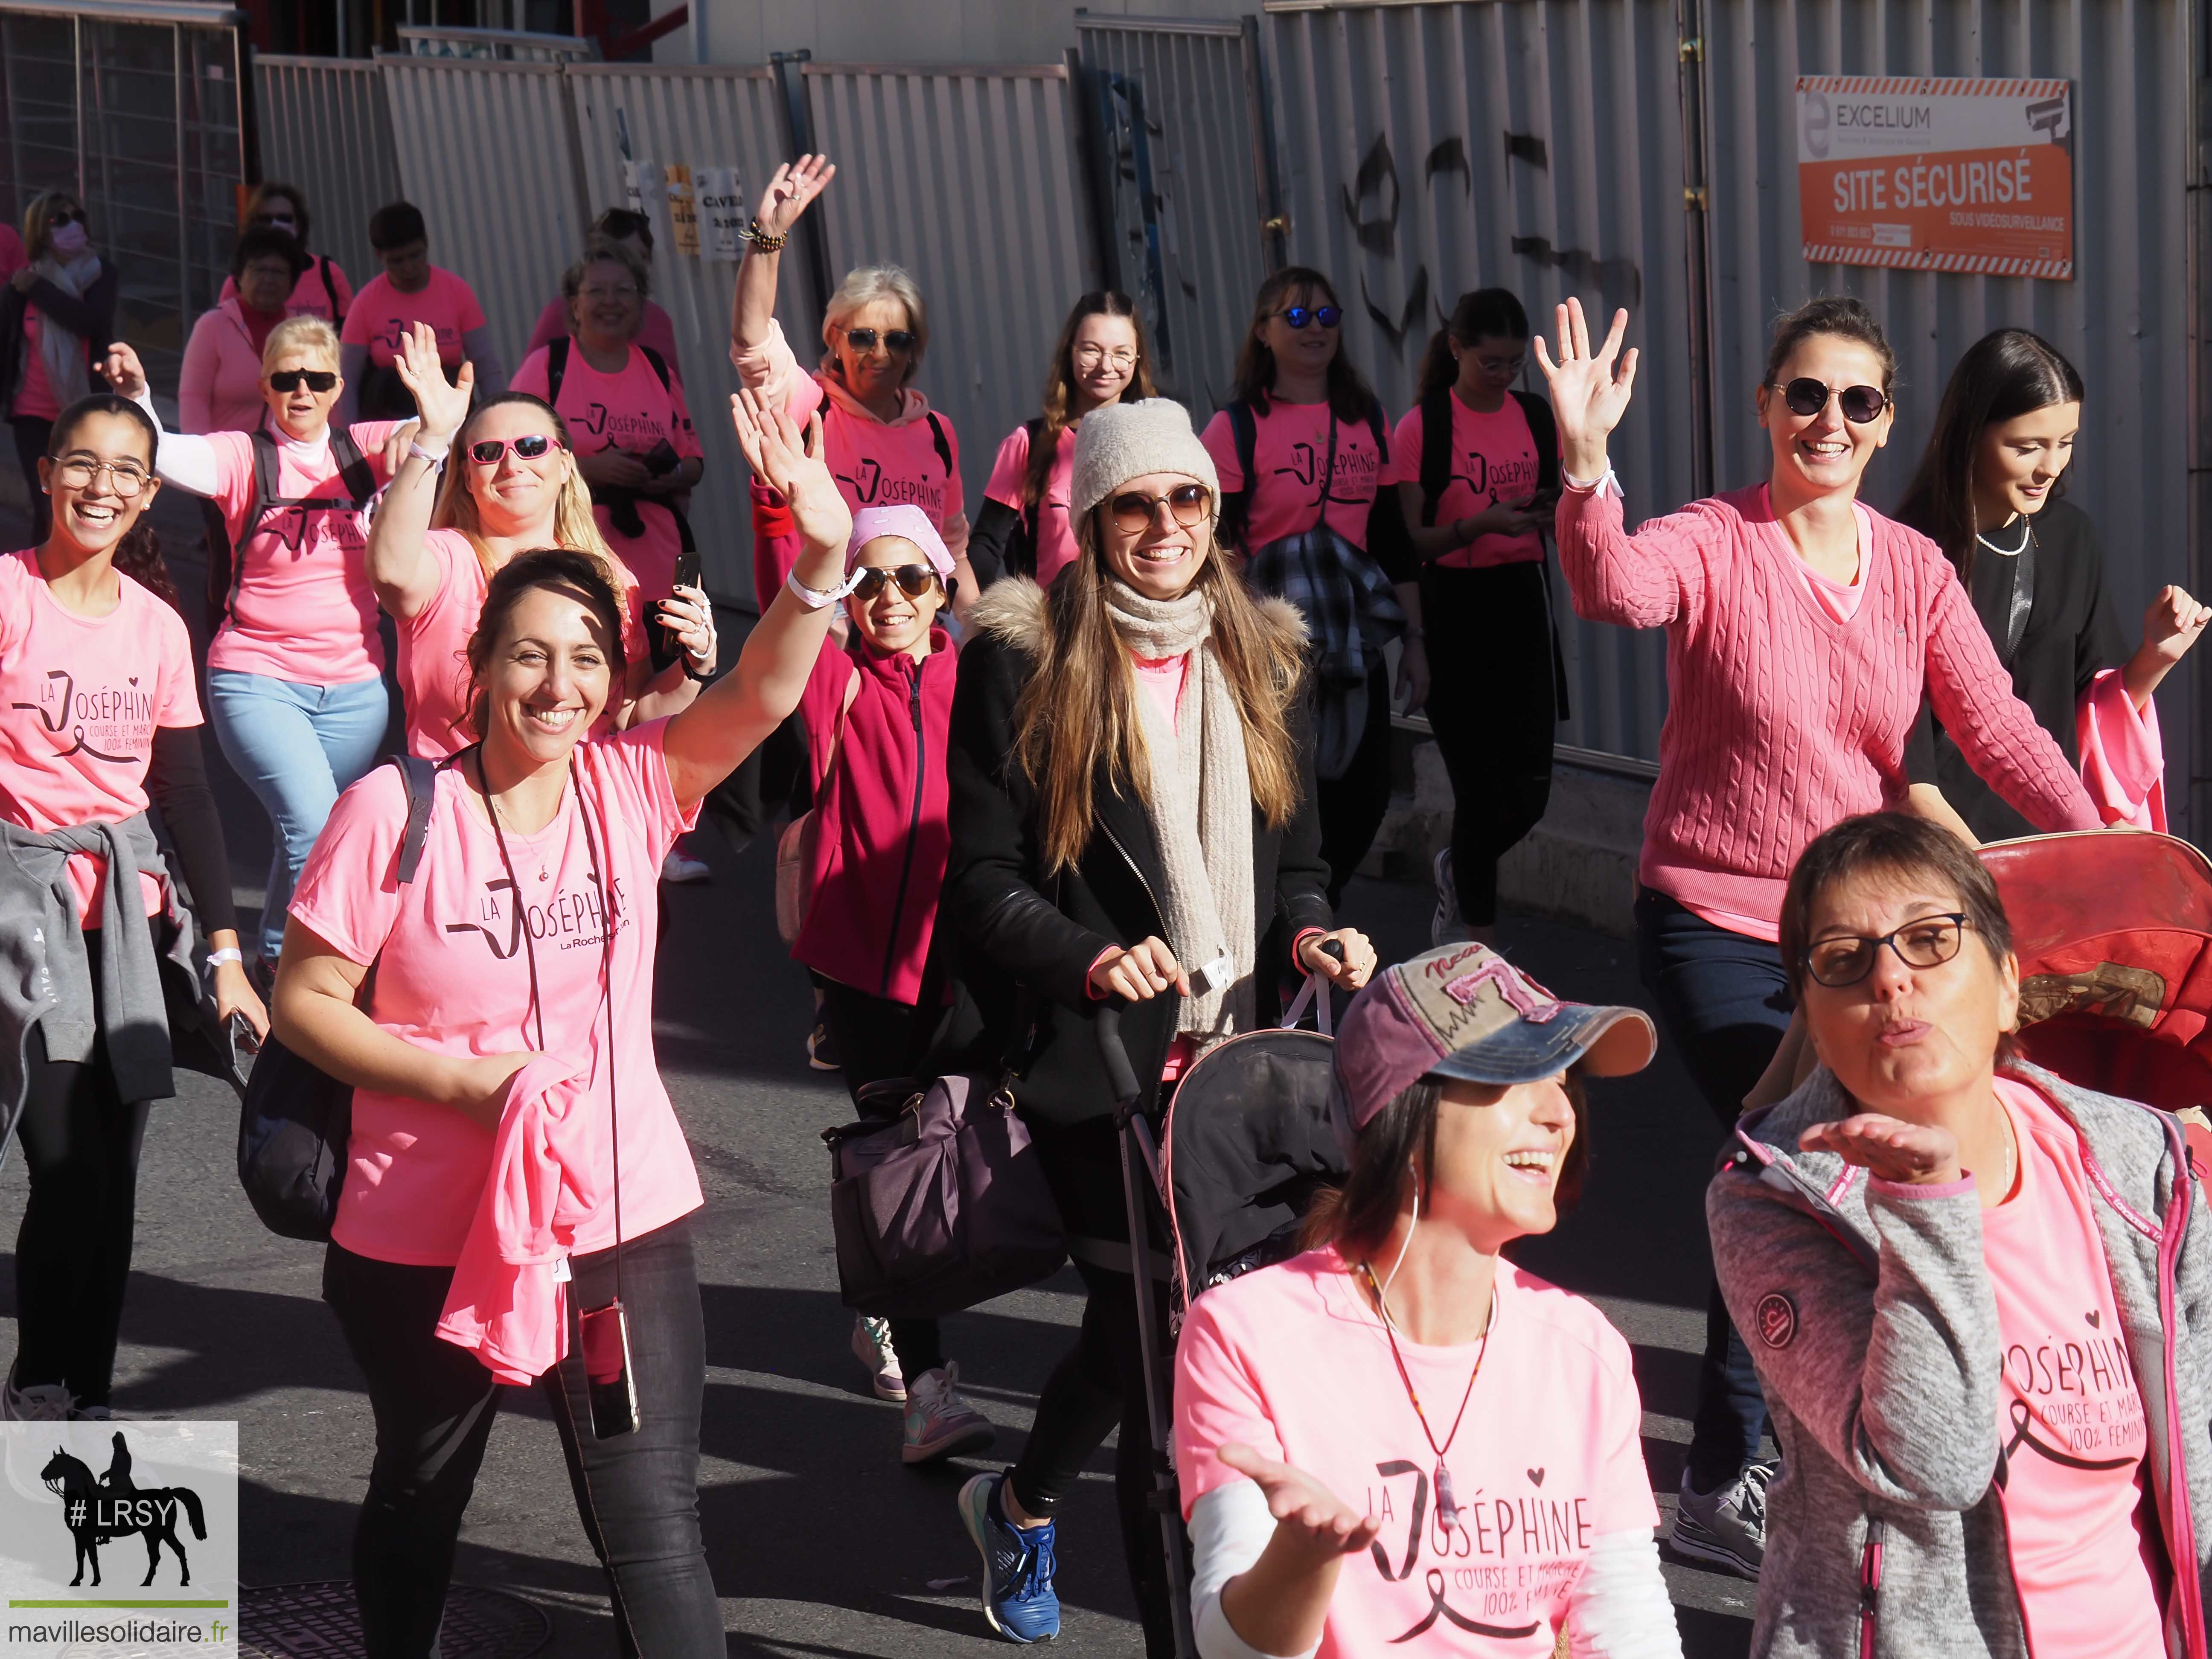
{"x": 1802, "y": 631}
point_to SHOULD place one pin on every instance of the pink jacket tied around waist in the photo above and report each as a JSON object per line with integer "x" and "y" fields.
{"x": 506, "y": 1306}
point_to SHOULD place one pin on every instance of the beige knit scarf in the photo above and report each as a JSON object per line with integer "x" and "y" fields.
{"x": 1201, "y": 807}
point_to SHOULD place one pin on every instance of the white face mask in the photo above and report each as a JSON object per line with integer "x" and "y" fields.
{"x": 70, "y": 238}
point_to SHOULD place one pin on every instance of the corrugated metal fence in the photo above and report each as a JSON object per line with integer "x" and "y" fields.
{"x": 326, "y": 126}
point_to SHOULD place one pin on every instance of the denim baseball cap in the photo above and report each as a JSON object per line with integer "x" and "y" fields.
{"x": 1466, "y": 1012}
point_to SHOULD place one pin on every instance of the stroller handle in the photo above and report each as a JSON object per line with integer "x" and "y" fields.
{"x": 1120, "y": 1076}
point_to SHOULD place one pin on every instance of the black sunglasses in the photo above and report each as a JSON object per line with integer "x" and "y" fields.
{"x": 1132, "y": 511}
{"x": 864, "y": 339}
{"x": 1806, "y": 396}
{"x": 288, "y": 380}
{"x": 486, "y": 452}
{"x": 1299, "y": 316}
{"x": 914, "y": 580}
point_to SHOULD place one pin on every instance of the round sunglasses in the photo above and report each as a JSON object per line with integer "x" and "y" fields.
{"x": 914, "y": 580}
{"x": 1299, "y": 316}
{"x": 1808, "y": 396}
{"x": 865, "y": 339}
{"x": 290, "y": 379}
{"x": 487, "y": 452}
{"x": 1133, "y": 510}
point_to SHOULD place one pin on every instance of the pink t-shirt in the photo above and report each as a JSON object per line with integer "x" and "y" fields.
{"x": 34, "y": 393}
{"x": 452, "y": 976}
{"x": 1291, "y": 1361}
{"x": 381, "y": 315}
{"x": 658, "y": 330}
{"x": 1055, "y": 536}
{"x": 302, "y": 607}
{"x": 80, "y": 697}
{"x": 1493, "y": 459}
{"x": 310, "y": 298}
{"x": 434, "y": 646}
{"x": 630, "y": 410}
{"x": 1289, "y": 447}
{"x": 2069, "y": 1392}
{"x": 880, "y": 465}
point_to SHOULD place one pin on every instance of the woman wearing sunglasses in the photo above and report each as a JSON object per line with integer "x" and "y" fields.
{"x": 1988, "y": 493}
{"x": 57, "y": 314}
{"x": 321, "y": 288}
{"x": 1978, "y": 1292}
{"x": 510, "y": 484}
{"x": 295, "y": 671}
{"x": 1132, "y": 815}
{"x": 887, "y": 446}
{"x": 1302, "y": 447}
{"x": 1802, "y": 631}
{"x": 640, "y": 456}
{"x": 1022, "y": 529}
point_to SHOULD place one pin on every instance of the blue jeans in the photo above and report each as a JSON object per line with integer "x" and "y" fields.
{"x": 296, "y": 746}
{"x": 1725, "y": 1003}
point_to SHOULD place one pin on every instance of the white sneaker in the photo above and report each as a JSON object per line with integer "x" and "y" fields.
{"x": 1726, "y": 1527}
{"x": 680, "y": 866}
{"x": 42, "y": 1402}
{"x": 939, "y": 1422}
{"x": 871, "y": 1346}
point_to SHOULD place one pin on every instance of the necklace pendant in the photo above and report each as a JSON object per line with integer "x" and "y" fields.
{"x": 1447, "y": 1505}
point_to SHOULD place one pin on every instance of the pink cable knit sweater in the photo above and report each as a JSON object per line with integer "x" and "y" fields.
{"x": 1780, "y": 722}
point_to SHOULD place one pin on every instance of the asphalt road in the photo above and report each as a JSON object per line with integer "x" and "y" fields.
{"x": 821, "y": 1543}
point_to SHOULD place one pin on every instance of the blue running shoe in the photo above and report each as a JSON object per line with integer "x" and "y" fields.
{"x": 1017, "y": 1565}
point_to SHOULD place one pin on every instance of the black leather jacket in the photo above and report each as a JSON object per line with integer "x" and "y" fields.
{"x": 1020, "y": 927}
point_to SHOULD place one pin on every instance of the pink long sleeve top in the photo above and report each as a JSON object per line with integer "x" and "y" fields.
{"x": 1782, "y": 718}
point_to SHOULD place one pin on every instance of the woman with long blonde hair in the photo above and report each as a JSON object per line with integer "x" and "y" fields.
{"x": 511, "y": 487}
{"x": 1132, "y": 817}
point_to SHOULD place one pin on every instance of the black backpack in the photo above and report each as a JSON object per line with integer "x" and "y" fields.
{"x": 1436, "y": 447}
{"x": 226, "y": 553}
{"x": 331, "y": 290}
{"x": 1244, "y": 428}
{"x": 296, "y": 1118}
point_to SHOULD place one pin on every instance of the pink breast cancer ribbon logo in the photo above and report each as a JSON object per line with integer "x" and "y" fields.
{"x": 1528, "y": 999}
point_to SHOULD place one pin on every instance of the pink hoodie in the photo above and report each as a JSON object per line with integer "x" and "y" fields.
{"x": 219, "y": 388}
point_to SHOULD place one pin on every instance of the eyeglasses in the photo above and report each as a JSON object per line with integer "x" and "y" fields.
{"x": 1806, "y": 396}
{"x": 1090, "y": 356}
{"x": 1924, "y": 942}
{"x": 290, "y": 379}
{"x": 914, "y": 580}
{"x": 1299, "y": 316}
{"x": 1134, "y": 510}
{"x": 627, "y": 291}
{"x": 865, "y": 339}
{"x": 78, "y": 472}
{"x": 487, "y": 452}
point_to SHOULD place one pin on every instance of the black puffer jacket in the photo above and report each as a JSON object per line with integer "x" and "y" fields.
{"x": 1019, "y": 926}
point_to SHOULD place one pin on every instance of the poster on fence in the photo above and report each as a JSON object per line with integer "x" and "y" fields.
{"x": 683, "y": 209}
{"x": 1932, "y": 174}
{"x": 641, "y": 184}
{"x": 721, "y": 211}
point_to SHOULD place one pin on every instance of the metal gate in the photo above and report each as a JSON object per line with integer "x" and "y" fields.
{"x": 1186, "y": 165}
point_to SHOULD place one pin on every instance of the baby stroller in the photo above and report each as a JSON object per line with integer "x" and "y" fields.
{"x": 2114, "y": 935}
{"x": 1243, "y": 1149}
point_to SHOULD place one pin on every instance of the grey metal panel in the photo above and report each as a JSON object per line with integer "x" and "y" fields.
{"x": 326, "y": 127}
{"x": 968, "y": 177}
{"x": 488, "y": 151}
{"x": 705, "y": 117}
{"x": 1400, "y": 183}
{"x": 516, "y": 46}
{"x": 2125, "y": 320}
{"x": 1206, "y": 195}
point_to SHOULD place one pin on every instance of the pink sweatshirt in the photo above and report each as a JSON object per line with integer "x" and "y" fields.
{"x": 1781, "y": 720}
{"x": 219, "y": 386}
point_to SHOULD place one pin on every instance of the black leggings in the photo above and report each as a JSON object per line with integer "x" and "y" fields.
{"x": 637, "y": 1494}
{"x": 33, "y": 434}
{"x": 1350, "y": 808}
{"x": 80, "y": 1147}
{"x": 1494, "y": 709}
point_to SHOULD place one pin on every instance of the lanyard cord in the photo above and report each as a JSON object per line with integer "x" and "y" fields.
{"x": 1390, "y": 1333}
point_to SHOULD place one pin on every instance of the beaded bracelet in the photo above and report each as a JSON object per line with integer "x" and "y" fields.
{"x": 760, "y": 239}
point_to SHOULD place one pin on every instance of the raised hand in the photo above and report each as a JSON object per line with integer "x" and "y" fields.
{"x": 1315, "y": 1518}
{"x": 444, "y": 405}
{"x": 793, "y": 465}
{"x": 122, "y": 370}
{"x": 1589, "y": 389}
{"x": 1914, "y": 1154}
{"x": 789, "y": 189}
{"x": 2173, "y": 623}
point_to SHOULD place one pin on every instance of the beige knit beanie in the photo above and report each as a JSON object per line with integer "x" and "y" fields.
{"x": 1120, "y": 441}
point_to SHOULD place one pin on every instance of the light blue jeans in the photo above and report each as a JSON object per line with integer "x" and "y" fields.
{"x": 296, "y": 746}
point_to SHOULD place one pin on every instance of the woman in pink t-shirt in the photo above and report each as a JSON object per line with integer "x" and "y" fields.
{"x": 1977, "y": 1293}
{"x": 57, "y": 315}
{"x": 1023, "y": 528}
{"x": 99, "y": 720}
{"x": 886, "y": 445}
{"x": 640, "y": 455}
{"x": 1303, "y": 448}
{"x": 1399, "y": 1437}
{"x": 525, "y": 933}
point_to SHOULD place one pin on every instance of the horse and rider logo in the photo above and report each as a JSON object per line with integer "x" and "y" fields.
{"x": 99, "y": 1511}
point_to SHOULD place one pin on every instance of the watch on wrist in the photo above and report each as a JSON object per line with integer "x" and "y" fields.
{"x": 701, "y": 676}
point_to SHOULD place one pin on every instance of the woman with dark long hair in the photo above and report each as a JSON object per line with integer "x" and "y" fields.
{"x": 1476, "y": 461}
{"x": 1024, "y": 529}
{"x": 1989, "y": 493}
{"x": 1303, "y": 447}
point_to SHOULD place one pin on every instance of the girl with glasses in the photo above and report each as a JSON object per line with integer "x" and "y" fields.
{"x": 510, "y": 483}
{"x": 1024, "y": 529}
{"x": 296, "y": 670}
{"x": 321, "y": 288}
{"x": 1303, "y": 447}
{"x": 1989, "y": 494}
{"x": 99, "y": 720}
{"x": 1803, "y": 630}
{"x": 57, "y": 315}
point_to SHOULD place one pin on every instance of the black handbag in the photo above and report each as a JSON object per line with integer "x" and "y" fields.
{"x": 296, "y": 1119}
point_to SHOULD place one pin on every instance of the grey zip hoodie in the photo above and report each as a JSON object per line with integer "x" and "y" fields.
{"x": 1870, "y": 1315}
